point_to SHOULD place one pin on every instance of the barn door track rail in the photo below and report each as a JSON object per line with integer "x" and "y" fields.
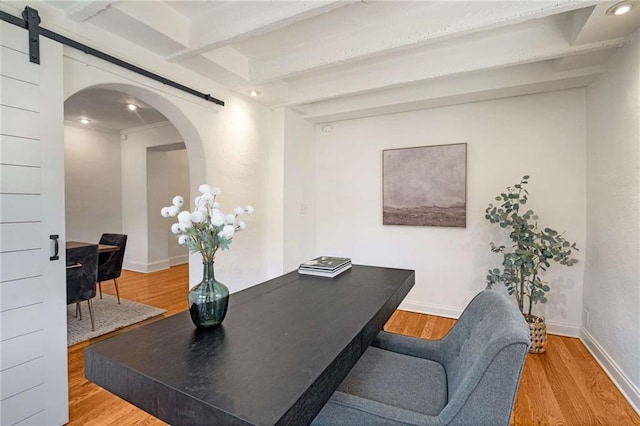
{"x": 31, "y": 22}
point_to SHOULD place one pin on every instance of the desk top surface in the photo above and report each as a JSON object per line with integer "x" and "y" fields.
{"x": 102, "y": 248}
{"x": 278, "y": 340}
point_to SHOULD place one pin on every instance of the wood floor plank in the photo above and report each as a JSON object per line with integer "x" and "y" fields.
{"x": 561, "y": 381}
{"x": 608, "y": 404}
{"x": 536, "y": 403}
{"x": 398, "y": 322}
{"x": 564, "y": 386}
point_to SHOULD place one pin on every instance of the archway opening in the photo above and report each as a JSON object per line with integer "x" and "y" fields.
{"x": 119, "y": 173}
{"x": 124, "y": 160}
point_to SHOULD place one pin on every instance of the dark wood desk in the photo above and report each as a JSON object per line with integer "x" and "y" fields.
{"x": 282, "y": 350}
{"x": 102, "y": 248}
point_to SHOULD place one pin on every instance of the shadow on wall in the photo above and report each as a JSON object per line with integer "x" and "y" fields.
{"x": 558, "y": 300}
{"x": 483, "y": 258}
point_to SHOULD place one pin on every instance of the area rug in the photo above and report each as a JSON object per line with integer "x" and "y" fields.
{"x": 108, "y": 316}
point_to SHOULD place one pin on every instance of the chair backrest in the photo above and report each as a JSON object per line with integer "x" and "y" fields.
{"x": 110, "y": 264}
{"x": 483, "y": 356}
{"x": 82, "y": 273}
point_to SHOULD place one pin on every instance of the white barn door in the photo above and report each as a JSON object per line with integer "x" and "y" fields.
{"x": 33, "y": 331}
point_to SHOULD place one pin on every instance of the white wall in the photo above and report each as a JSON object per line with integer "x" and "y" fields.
{"x": 227, "y": 146}
{"x": 156, "y": 186}
{"x": 147, "y": 245}
{"x": 299, "y": 191}
{"x": 540, "y": 135}
{"x": 93, "y": 194}
{"x": 167, "y": 176}
{"x": 238, "y": 159}
{"x": 612, "y": 275}
{"x": 93, "y": 183}
{"x": 275, "y": 179}
{"x": 292, "y": 157}
{"x": 178, "y": 170}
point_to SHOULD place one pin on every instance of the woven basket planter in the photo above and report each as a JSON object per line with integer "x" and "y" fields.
{"x": 538, "y": 334}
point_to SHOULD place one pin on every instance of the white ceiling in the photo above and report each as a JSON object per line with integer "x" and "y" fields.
{"x": 332, "y": 60}
{"x": 107, "y": 110}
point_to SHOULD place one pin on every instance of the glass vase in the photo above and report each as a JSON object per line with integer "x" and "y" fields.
{"x": 208, "y": 300}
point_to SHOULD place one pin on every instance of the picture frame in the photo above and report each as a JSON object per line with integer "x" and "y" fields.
{"x": 425, "y": 186}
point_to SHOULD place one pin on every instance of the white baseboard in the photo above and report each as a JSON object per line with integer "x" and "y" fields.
{"x": 179, "y": 260}
{"x": 563, "y": 329}
{"x": 145, "y": 267}
{"x": 629, "y": 390}
{"x": 130, "y": 265}
{"x": 553, "y": 327}
{"x": 431, "y": 309}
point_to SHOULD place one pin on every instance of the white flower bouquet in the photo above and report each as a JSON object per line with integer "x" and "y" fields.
{"x": 205, "y": 229}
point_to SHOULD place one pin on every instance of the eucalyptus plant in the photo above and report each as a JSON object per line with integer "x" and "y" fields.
{"x": 531, "y": 252}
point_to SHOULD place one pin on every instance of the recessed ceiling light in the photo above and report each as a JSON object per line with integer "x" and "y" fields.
{"x": 254, "y": 93}
{"x": 620, "y": 8}
{"x": 132, "y": 107}
{"x": 85, "y": 120}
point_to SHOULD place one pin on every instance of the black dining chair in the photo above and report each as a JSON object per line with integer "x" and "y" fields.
{"x": 110, "y": 263}
{"x": 82, "y": 276}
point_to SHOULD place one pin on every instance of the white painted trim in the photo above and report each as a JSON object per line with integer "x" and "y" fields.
{"x": 563, "y": 329}
{"x": 553, "y": 327}
{"x": 158, "y": 266}
{"x": 431, "y": 309}
{"x": 179, "y": 260}
{"x": 130, "y": 265}
{"x": 145, "y": 268}
{"x": 628, "y": 389}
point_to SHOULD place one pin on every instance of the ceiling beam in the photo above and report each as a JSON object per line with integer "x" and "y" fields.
{"x": 80, "y": 11}
{"x": 154, "y": 26}
{"x": 597, "y": 25}
{"x": 159, "y": 17}
{"x": 513, "y": 81}
{"x": 235, "y": 21}
{"x": 213, "y": 70}
{"x": 593, "y": 24}
{"x": 421, "y": 25}
{"x": 533, "y": 44}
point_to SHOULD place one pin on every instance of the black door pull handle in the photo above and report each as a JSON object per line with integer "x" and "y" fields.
{"x": 56, "y": 247}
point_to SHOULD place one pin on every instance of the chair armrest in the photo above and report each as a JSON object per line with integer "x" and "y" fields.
{"x": 420, "y": 348}
{"x": 347, "y": 409}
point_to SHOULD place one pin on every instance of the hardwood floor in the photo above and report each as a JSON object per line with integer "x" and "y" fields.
{"x": 89, "y": 404}
{"x": 565, "y": 386}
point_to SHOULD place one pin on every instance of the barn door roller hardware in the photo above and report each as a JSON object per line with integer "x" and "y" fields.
{"x": 33, "y": 26}
{"x": 31, "y": 22}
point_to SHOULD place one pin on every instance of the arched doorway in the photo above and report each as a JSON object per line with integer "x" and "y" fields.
{"x": 124, "y": 161}
{"x": 176, "y": 111}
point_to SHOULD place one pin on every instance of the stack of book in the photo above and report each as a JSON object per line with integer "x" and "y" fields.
{"x": 325, "y": 266}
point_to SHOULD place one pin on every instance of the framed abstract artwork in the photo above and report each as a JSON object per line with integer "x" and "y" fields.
{"x": 425, "y": 186}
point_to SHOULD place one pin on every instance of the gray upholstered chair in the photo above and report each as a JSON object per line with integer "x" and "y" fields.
{"x": 469, "y": 377}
